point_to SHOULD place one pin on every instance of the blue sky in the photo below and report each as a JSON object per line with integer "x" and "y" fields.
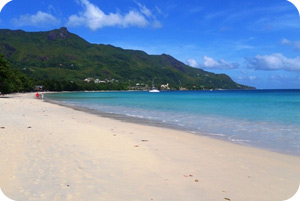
{"x": 255, "y": 42}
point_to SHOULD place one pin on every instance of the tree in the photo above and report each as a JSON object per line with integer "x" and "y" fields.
{"x": 6, "y": 76}
{"x": 12, "y": 80}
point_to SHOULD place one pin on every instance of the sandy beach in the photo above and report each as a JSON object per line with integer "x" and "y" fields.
{"x": 55, "y": 153}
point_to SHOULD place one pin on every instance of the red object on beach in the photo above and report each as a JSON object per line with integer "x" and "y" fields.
{"x": 37, "y": 95}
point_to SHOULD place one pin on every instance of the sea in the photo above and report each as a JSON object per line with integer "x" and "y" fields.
{"x": 266, "y": 119}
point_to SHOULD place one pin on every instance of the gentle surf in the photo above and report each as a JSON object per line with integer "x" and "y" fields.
{"x": 268, "y": 119}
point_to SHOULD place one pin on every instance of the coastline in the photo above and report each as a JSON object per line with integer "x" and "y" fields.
{"x": 259, "y": 131}
{"x": 52, "y": 152}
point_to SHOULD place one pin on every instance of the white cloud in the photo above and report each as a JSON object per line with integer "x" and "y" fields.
{"x": 252, "y": 77}
{"x": 192, "y": 62}
{"x": 149, "y": 14}
{"x": 247, "y": 78}
{"x": 285, "y": 41}
{"x": 211, "y": 63}
{"x": 294, "y": 44}
{"x": 94, "y": 18}
{"x": 276, "y": 23}
{"x": 274, "y": 62}
{"x": 279, "y": 77}
{"x": 39, "y": 19}
{"x": 145, "y": 10}
{"x": 133, "y": 18}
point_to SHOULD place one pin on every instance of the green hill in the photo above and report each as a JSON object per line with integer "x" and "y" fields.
{"x": 62, "y": 56}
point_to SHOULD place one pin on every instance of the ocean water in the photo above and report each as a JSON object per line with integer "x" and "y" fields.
{"x": 268, "y": 119}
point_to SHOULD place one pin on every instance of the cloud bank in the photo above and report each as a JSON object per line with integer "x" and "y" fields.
{"x": 275, "y": 61}
{"x": 294, "y": 44}
{"x": 192, "y": 63}
{"x": 39, "y": 19}
{"x": 210, "y": 63}
{"x": 94, "y": 18}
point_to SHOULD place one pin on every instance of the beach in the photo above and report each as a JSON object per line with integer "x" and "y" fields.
{"x": 51, "y": 152}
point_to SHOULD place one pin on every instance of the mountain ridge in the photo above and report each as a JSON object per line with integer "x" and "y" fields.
{"x": 61, "y": 55}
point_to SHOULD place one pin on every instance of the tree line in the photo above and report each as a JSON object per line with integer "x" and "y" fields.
{"x": 13, "y": 80}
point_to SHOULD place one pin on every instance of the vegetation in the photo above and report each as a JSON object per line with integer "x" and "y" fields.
{"x": 11, "y": 80}
{"x": 60, "y": 60}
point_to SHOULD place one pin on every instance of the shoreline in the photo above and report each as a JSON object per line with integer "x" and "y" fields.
{"x": 158, "y": 123}
{"x": 53, "y": 152}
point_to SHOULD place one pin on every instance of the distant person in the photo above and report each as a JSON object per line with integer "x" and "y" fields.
{"x": 37, "y": 94}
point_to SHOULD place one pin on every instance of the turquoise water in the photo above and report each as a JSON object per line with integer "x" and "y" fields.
{"x": 268, "y": 119}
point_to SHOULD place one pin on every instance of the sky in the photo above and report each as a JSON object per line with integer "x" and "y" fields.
{"x": 255, "y": 42}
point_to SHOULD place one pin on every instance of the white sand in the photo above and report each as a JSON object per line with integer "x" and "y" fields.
{"x": 49, "y": 152}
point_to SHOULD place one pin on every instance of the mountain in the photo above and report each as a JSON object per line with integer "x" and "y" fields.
{"x": 61, "y": 55}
